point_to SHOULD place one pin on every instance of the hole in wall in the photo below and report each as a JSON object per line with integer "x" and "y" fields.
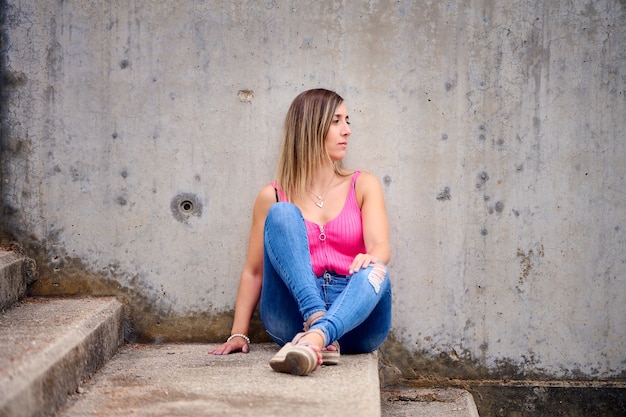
{"x": 186, "y": 205}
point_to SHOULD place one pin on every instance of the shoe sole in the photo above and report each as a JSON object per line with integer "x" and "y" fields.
{"x": 295, "y": 360}
{"x": 331, "y": 357}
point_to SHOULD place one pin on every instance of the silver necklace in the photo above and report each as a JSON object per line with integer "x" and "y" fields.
{"x": 320, "y": 198}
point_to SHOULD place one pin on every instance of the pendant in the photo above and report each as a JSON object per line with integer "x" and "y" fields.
{"x": 320, "y": 204}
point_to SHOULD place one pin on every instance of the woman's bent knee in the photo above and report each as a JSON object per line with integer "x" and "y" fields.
{"x": 377, "y": 276}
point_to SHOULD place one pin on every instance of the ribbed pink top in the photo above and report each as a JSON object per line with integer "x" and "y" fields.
{"x": 334, "y": 245}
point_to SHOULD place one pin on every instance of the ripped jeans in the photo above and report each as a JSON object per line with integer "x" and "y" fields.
{"x": 358, "y": 307}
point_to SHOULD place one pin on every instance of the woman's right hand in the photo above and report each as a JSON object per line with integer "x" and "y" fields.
{"x": 237, "y": 344}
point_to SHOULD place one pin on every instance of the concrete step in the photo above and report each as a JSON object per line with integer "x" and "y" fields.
{"x": 49, "y": 346}
{"x": 428, "y": 402}
{"x": 12, "y": 279}
{"x": 183, "y": 380}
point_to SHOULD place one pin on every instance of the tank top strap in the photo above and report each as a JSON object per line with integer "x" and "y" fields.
{"x": 355, "y": 175}
{"x": 280, "y": 195}
{"x": 351, "y": 201}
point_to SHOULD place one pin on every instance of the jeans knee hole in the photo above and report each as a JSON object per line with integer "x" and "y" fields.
{"x": 376, "y": 277}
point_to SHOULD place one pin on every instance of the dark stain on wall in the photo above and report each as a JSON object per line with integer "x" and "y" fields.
{"x": 444, "y": 194}
{"x": 527, "y": 262}
{"x": 60, "y": 275}
{"x": 185, "y": 205}
{"x": 482, "y": 179}
{"x": 13, "y": 79}
{"x": 421, "y": 368}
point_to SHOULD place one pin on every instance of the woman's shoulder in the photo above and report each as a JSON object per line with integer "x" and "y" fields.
{"x": 354, "y": 173}
{"x": 365, "y": 178}
{"x": 266, "y": 196}
{"x": 268, "y": 192}
{"x": 367, "y": 184}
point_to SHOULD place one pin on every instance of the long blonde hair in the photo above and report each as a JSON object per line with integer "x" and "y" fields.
{"x": 306, "y": 125}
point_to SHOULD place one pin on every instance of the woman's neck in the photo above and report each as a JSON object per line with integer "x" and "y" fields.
{"x": 322, "y": 179}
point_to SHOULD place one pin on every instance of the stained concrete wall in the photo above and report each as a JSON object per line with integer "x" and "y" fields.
{"x": 136, "y": 135}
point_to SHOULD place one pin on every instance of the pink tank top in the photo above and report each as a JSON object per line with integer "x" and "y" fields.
{"x": 334, "y": 245}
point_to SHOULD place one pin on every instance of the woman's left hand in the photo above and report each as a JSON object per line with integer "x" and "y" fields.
{"x": 362, "y": 261}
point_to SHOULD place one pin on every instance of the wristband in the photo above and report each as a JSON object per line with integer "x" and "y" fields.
{"x": 243, "y": 336}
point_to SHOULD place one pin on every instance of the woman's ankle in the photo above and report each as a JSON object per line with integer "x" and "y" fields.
{"x": 315, "y": 337}
{"x": 312, "y": 319}
{"x": 314, "y": 340}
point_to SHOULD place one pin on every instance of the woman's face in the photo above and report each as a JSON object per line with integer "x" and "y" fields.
{"x": 336, "y": 141}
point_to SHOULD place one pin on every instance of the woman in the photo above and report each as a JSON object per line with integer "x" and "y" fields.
{"x": 317, "y": 249}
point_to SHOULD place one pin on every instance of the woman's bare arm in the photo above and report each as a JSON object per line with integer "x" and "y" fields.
{"x": 375, "y": 223}
{"x": 251, "y": 279}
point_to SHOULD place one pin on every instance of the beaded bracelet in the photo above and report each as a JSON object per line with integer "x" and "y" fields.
{"x": 243, "y": 336}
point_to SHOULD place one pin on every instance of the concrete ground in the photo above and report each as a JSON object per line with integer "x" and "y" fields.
{"x": 183, "y": 380}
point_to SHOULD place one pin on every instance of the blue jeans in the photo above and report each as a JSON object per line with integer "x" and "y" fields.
{"x": 357, "y": 307}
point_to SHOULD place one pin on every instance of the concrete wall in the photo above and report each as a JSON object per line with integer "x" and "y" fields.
{"x": 497, "y": 128}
